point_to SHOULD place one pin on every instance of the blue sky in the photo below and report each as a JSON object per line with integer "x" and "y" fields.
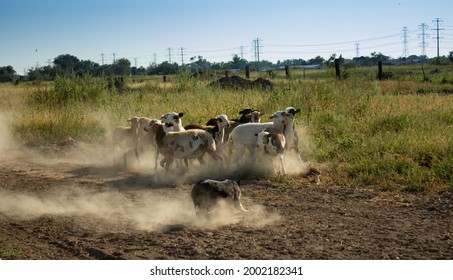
{"x": 35, "y": 32}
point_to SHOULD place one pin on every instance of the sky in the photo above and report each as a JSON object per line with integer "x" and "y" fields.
{"x": 34, "y": 32}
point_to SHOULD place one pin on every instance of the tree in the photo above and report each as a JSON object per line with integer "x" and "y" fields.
{"x": 238, "y": 63}
{"x": 164, "y": 68}
{"x": 450, "y": 56}
{"x": 65, "y": 64}
{"x": 122, "y": 67}
{"x": 316, "y": 60}
{"x": 85, "y": 67}
{"x": 199, "y": 64}
{"x": 7, "y": 74}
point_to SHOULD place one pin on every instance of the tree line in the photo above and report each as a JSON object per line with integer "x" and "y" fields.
{"x": 68, "y": 65}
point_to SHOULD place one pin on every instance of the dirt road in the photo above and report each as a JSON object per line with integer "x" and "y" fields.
{"x": 68, "y": 206}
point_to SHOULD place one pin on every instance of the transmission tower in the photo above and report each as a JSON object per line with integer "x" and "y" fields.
{"x": 405, "y": 37}
{"x": 257, "y": 49}
{"x": 102, "y": 58}
{"x": 242, "y": 52}
{"x": 182, "y": 55}
{"x": 357, "y": 49}
{"x": 437, "y": 29}
{"x": 169, "y": 55}
{"x": 423, "y": 35}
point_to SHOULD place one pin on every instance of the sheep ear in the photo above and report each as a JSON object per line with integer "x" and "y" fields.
{"x": 238, "y": 182}
{"x": 180, "y": 115}
{"x": 262, "y": 113}
{"x": 297, "y": 111}
{"x": 219, "y": 119}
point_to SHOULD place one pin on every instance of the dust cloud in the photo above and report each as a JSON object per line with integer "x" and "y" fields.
{"x": 136, "y": 197}
{"x": 142, "y": 210}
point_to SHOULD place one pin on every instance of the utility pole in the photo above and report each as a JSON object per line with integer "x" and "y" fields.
{"x": 357, "y": 49}
{"x": 423, "y": 35}
{"x": 114, "y": 57}
{"x": 437, "y": 29}
{"x": 405, "y": 36}
{"x": 102, "y": 58}
{"x": 182, "y": 56}
{"x": 135, "y": 62}
{"x": 155, "y": 58}
{"x": 169, "y": 55}
{"x": 242, "y": 52}
{"x": 257, "y": 49}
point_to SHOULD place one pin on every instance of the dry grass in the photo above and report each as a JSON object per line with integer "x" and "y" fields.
{"x": 396, "y": 134}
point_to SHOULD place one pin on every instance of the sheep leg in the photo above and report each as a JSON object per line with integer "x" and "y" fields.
{"x": 201, "y": 160}
{"x": 282, "y": 163}
{"x": 168, "y": 164}
{"x": 156, "y": 159}
{"x": 215, "y": 155}
{"x": 125, "y": 159}
{"x": 136, "y": 154}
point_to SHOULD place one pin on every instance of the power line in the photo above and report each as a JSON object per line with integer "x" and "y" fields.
{"x": 336, "y": 43}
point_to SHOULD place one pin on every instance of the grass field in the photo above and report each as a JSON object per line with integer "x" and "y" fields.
{"x": 396, "y": 134}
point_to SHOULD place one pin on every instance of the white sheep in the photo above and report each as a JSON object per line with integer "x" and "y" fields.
{"x": 217, "y": 130}
{"x": 143, "y": 140}
{"x": 244, "y": 136}
{"x": 190, "y": 144}
{"x": 126, "y": 138}
{"x": 150, "y": 138}
{"x": 270, "y": 145}
{"x": 291, "y": 132}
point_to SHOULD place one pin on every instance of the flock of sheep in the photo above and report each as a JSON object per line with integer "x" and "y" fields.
{"x": 266, "y": 141}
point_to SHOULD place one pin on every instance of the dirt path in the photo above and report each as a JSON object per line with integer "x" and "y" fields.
{"x": 71, "y": 208}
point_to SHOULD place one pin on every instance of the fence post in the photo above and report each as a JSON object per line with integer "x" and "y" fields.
{"x": 247, "y": 71}
{"x": 379, "y": 70}
{"x": 337, "y": 68}
{"x": 227, "y": 73}
{"x": 287, "y": 71}
{"x": 165, "y": 78}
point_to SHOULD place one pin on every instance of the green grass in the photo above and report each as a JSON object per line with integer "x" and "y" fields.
{"x": 396, "y": 134}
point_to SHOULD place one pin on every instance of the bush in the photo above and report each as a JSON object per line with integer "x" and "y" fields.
{"x": 76, "y": 89}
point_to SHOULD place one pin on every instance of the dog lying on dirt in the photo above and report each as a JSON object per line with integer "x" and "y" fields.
{"x": 206, "y": 193}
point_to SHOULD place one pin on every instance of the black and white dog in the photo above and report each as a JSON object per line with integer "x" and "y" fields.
{"x": 206, "y": 193}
